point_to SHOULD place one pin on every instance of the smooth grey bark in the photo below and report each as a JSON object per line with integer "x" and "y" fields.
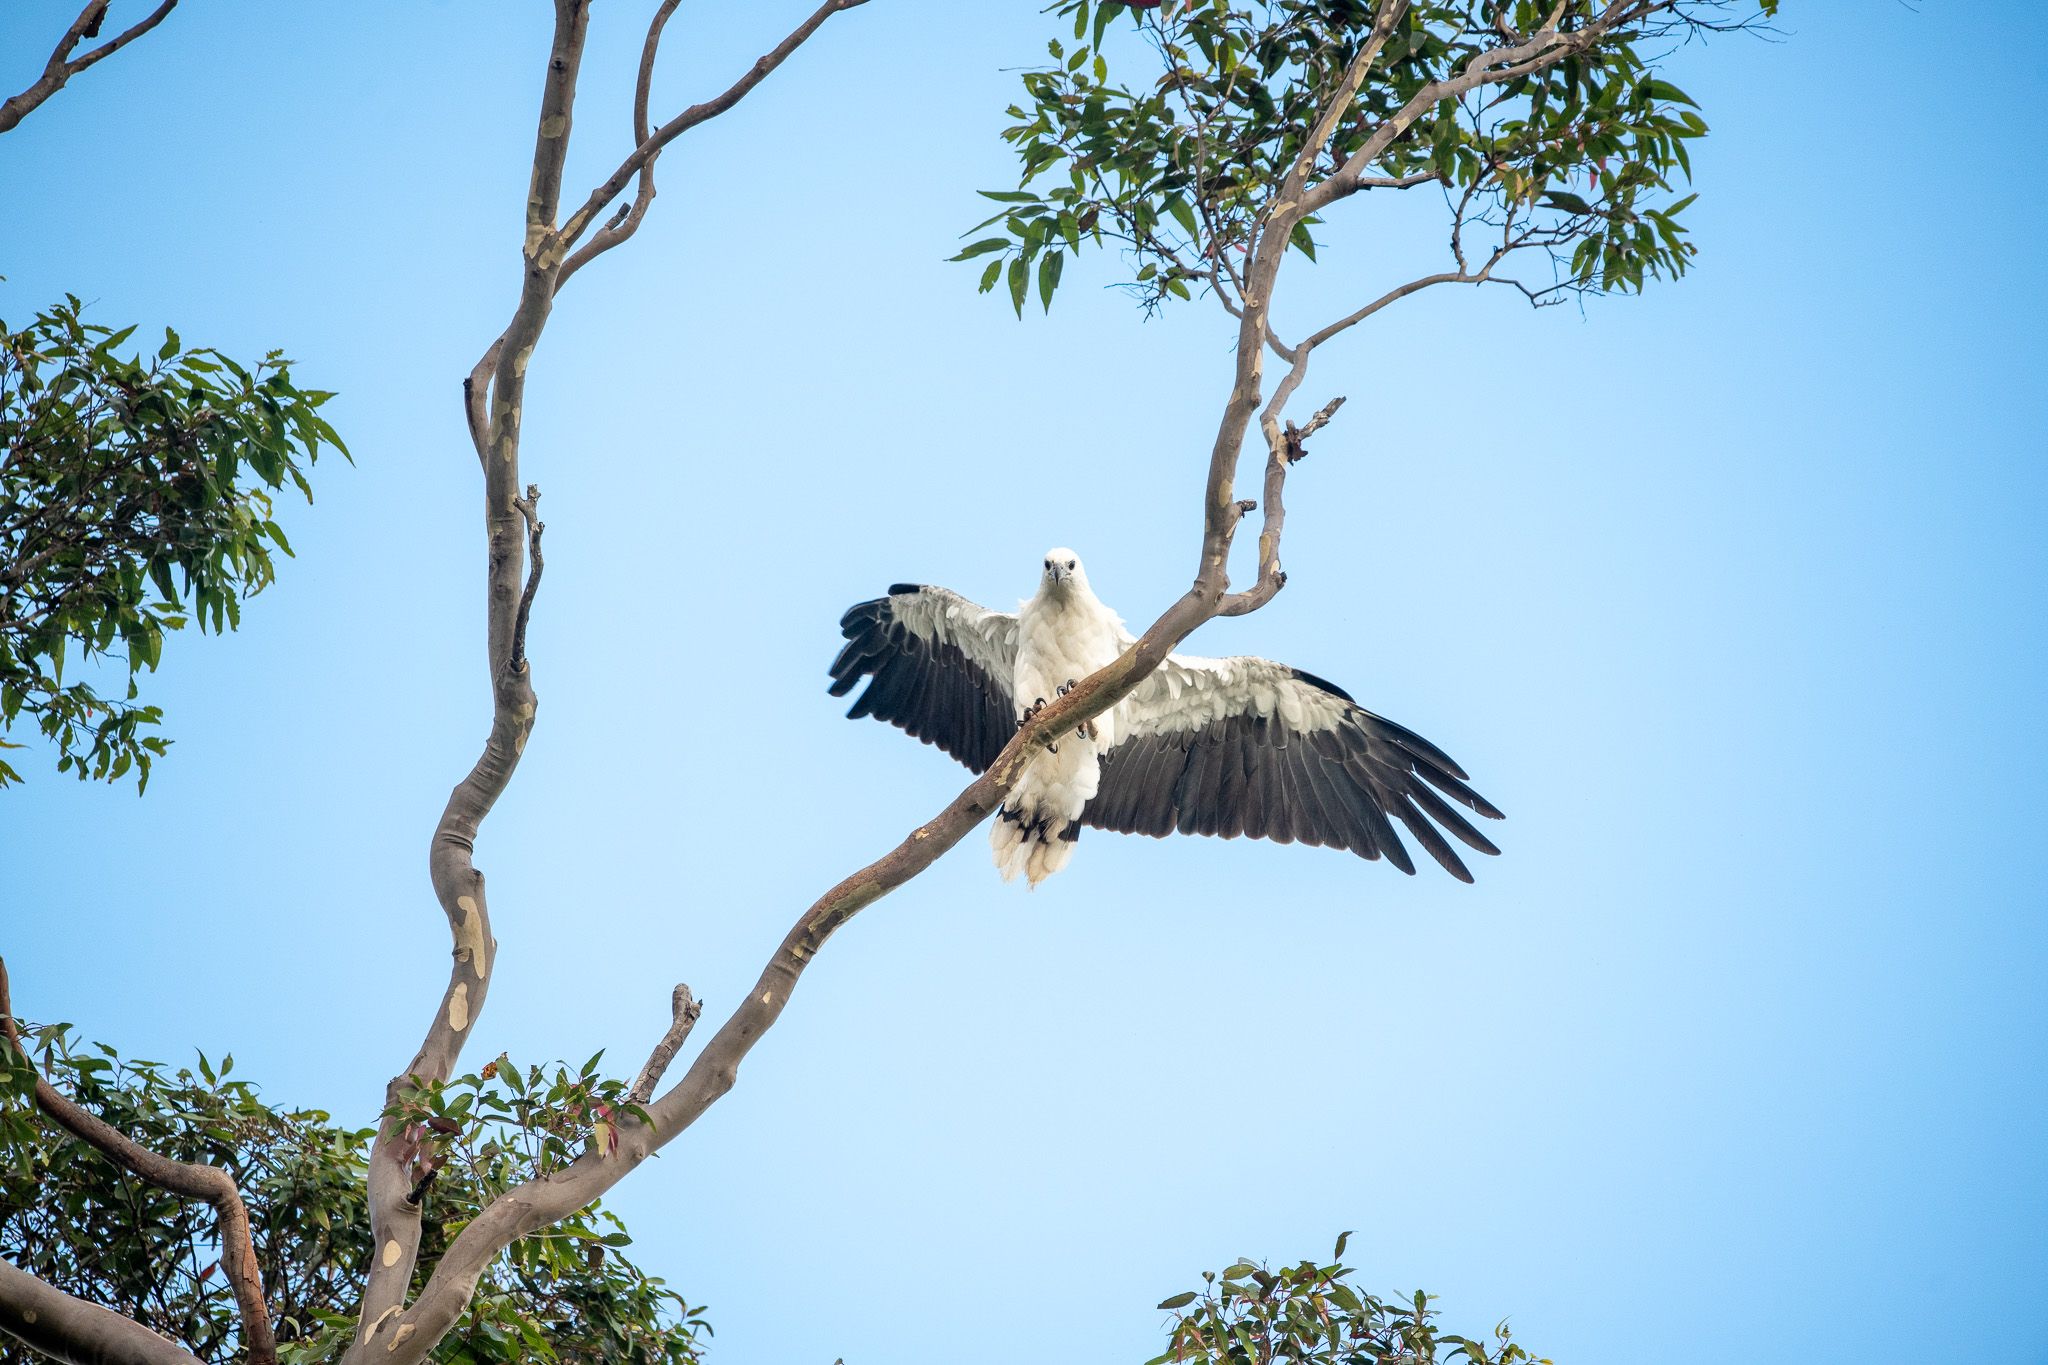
{"x": 69, "y": 1329}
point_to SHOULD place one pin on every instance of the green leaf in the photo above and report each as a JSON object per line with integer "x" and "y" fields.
{"x": 1020, "y": 281}
{"x": 1180, "y": 1300}
{"x": 1049, "y": 277}
{"x": 981, "y": 248}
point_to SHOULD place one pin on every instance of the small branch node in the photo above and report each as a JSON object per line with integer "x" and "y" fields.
{"x": 529, "y": 508}
{"x": 1296, "y": 437}
{"x": 684, "y": 1010}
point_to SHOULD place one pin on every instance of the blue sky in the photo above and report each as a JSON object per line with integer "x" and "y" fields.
{"x": 1729, "y": 596}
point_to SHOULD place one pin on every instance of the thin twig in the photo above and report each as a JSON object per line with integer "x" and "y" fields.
{"x": 529, "y": 508}
{"x": 685, "y": 1008}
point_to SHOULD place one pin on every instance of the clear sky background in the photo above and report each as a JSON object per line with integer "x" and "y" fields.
{"x": 1731, "y": 596}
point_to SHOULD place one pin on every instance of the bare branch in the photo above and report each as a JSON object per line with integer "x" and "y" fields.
{"x": 685, "y": 1010}
{"x": 491, "y": 407}
{"x": 626, "y": 220}
{"x": 187, "y": 1180}
{"x": 650, "y": 146}
{"x": 529, "y": 508}
{"x": 63, "y": 1327}
{"x": 1397, "y": 182}
{"x": 1284, "y": 449}
{"x": 62, "y": 66}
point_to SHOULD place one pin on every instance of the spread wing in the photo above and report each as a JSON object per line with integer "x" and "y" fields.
{"x": 938, "y": 666}
{"x": 1249, "y": 746}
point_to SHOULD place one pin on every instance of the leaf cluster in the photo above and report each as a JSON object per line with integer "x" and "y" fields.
{"x": 1173, "y": 137}
{"x": 73, "y": 1218}
{"x": 135, "y": 497}
{"x": 1309, "y": 1314}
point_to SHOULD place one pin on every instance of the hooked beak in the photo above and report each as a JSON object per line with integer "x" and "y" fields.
{"x": 1056, "y": 574}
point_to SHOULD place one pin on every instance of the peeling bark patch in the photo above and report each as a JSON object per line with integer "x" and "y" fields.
{"x": 28, "y": 1315}
{"x": 469, "y": 937}
{"x": 458, "y": 1007}
{"x": 382, "y": 1318}
{"x": 552, "y": 125}
{"x": 391, "y": 1253}
{"x": 398, "y": 1338}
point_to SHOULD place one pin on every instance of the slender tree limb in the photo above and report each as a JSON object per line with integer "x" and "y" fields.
{"x": 563, "y": 241}
{"x": 62, "y": 66}
{"x": 529, "y": 508}
{"x": 1284, "y": 449}
{"x": 187, "y": 1180}
{"x": 491, "y": 407}
{"x": 63, "y": 1327}
{"x": 685, "y": 1010}
{"x": 626, "y": 221}
{"x": 1397, "y": 182}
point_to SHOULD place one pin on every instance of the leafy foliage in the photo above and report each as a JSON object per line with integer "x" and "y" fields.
{"x": 1309, "y": 1315}
{"x": 1182, "y": 163}
{"x": 134, "y": 497}
{"x": 71, "y": 1217}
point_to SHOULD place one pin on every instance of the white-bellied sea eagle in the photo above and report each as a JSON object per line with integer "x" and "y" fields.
{"x": 1203, "y": 746}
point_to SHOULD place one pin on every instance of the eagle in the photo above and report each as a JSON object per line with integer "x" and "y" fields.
{"x": 1202, "y": 746}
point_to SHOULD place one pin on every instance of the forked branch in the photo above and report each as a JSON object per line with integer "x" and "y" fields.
{"x": 62, "y": 66}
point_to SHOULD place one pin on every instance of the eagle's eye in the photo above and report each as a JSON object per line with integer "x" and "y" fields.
{"x": 1070, "y": 563}
{"x": 1048, "y": 563}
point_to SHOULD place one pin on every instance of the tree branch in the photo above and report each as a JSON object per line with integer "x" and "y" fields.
{"x": 1284, "y": 449}
{"x": 62, "y": 66}
{"x": 529, "y": 508}
{"x": 64, "y": 1327}
{"x": 188, "y": 1180}
{"x": 491, "y": 406}
{"x": 650, "y": 147}
{"x": 626, "y": 221}
{"x": 685, "y": 1009}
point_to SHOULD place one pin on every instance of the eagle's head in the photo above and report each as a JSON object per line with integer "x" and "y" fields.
{"x": 1063, "y": 571}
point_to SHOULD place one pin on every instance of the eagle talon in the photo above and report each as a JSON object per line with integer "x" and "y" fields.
{"x": 1086, "y": 729}
{"x": 1065, "y": 687}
